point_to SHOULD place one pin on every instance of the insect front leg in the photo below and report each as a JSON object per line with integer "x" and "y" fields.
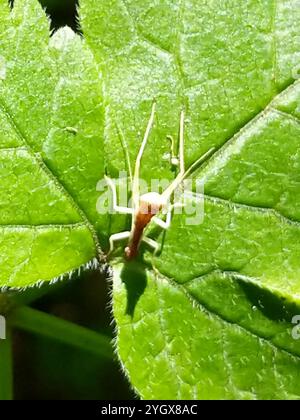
{"x": 165, "y": 224}
{"x": 116, "y": 208}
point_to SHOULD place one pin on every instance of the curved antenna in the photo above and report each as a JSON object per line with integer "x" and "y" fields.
{"x": 178, "y": 180}
{"x": 182, "y": 172}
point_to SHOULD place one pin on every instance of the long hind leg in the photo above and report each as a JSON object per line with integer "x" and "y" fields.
{"x": 151, "y": 243}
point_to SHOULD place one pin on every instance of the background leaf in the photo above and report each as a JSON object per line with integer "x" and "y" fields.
{"x": 50, "y": 157}
{"x": 53, "y": 358}
{"x": 211, "y": 316}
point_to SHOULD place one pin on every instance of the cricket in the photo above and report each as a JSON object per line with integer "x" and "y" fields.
{"x": 146, "y": 207}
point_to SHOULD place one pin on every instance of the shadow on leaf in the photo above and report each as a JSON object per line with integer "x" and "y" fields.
{"x": 134, "y": 277}
{"x": 273, "y": 306}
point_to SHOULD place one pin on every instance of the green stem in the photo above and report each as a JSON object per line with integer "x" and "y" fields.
{"x": 38, "y": 322}
{"x": 6, "y": 375}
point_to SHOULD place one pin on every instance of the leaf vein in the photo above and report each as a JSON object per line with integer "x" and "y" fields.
{"x": 45, "y": 226}
{"x": 254, "y": 209}
{"x": 250, "y": 122}
{"x": 44, "y": 167}
{"x": 201, "y": 305}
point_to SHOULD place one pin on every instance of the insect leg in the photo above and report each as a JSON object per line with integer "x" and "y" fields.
{"x": 116, "y": 208}
{"x": 165, "y": 224}
{"x": 152, "y": 243}
{"x": 117, "y": 237}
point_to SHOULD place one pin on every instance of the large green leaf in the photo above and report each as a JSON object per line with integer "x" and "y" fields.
{"x": 50, "y": 148}
{"x": 211, "y": 316}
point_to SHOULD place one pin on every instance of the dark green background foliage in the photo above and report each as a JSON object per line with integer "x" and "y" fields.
{"x": 46, "y": 369}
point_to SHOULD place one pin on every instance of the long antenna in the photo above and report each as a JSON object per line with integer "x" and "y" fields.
{"x": 136, "y": 176}
{"x": 125, "y": 149}
{"x": 181, "y": 144}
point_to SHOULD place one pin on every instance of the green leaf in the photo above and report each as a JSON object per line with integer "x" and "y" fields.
{"x": 50, "y": 148}
{"x": 214, "y": 338}
{"x": 211, "y": 316}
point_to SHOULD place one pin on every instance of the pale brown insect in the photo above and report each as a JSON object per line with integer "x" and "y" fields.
{"x": 146, "y": 207}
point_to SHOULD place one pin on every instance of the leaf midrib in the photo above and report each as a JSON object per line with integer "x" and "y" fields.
{"x": 43, "y": 226}
{"x": 248, "y": 124}
{"x": 235, "y": 136}
{"x": 254, "y": 209}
